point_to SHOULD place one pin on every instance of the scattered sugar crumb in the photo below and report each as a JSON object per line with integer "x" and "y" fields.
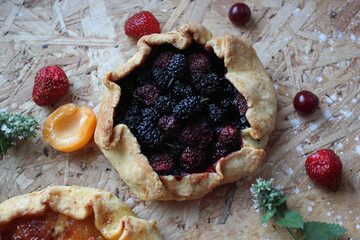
{"x": 299, "y": 148}
{"x": 331, "y": 49}
{"x": 309, "y": 187}
{"x": 271, "y": 164}
{"x": 164, "y": 10}
{"x": 319, "y": 79}
{"x": 350, "y": 212}
{"x": 333, "y": 97}
{"x": 322, "y": 37}
{"x": 328, "y": 100}
{"x": 310, "y": 209}
{"x": 296, "y": 12}
{"x": 345, "y": 113}
{"x": 276, "y": 86}
{"x": 340, "y": 145}
{"x": 357, "y": 138}
{"x": 352, "y": 37}
{"x": 297, "y": 191}
{"x": 90, "y": 104}
{"x": 265, "y": 224}
{"x": 308, "y": 15}
{"x": 313, "y": 126}
{"x": 358, "y": 149}
{"x": 295, "y": 122}
{"x": 357, "y": 226}
{"x": 312, "y": 203}
{"x": 340, "y": 99}
{"x": 329, "y": 214}
{"x": 354, "y": 100}
{"x": 287, "y": 39}
{"x": 340, "y": 223}
{"x": 289, "y": 171}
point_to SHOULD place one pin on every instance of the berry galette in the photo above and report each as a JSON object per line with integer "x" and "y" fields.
{"x": 186, "y": 113}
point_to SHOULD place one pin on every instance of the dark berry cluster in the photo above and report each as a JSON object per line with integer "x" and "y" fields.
{"x": 183, "y": 111}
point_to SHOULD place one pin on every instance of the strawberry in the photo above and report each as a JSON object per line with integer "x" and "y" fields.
{"x": 140, "y": 24}
{"x": 324, "y": 168}
{"x": 51, "y": 83}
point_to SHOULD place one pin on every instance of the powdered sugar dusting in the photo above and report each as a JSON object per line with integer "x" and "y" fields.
{"x": 313, "y": 126}
{"x": 358, "y": 149}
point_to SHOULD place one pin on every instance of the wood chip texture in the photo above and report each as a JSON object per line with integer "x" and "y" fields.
{"x": 304, "y": 45}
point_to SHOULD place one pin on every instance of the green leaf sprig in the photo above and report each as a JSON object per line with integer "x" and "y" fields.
{"x": 272, "y": 201}
{"x": 14, "y": 127}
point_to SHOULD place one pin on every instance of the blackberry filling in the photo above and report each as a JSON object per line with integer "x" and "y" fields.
{"x": 183, "y": 111}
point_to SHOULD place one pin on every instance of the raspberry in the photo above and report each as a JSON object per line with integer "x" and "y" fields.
{"x": 178, "y": 66}
{"x": 229, "y": 137}
{"x": 161, "y": 78}
{"x": 187, "y": 108}
{"x": 197, "y": 134}
{"x": 162, "y": 60}
{"x": 240, "y": 103}
{"x": 163, "y": 164}
{"x": 169, "y": 125}
{"x": 199, "y": 63}
{"x": 192, "y": 160}
{"x": 181, "y": 90}
{"x": 148, "y": 135}
{"x": 147, "y": 94}
{"x": 216, "y": 114}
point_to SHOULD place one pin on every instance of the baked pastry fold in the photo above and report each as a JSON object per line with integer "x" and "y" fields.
{"x": 112, "y": 217}
{"x": 244, "y": 71}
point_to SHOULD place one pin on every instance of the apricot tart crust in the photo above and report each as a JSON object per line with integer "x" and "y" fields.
{"x": 186, "y": 113}
{"x": 71, "y": 213}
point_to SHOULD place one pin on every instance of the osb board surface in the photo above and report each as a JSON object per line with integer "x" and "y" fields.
{"x": 301, "y": 47}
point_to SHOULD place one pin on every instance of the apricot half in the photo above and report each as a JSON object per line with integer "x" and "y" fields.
{"x": 69, "y": 128}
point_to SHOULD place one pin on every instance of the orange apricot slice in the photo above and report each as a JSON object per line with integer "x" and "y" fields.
{"x": 69, "y": 128}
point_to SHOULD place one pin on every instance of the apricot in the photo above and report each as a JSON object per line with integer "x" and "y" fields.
{"x": 69, "y": 128}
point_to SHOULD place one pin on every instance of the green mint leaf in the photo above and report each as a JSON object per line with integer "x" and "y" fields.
{"x": 3, "y": 145}
{"x": 323, "y": 231}
{"x": 268, "y": 215}
{"x": 281, "y": 200}
{"x": 282, "y": 208}
{"x": 291, "y": 219}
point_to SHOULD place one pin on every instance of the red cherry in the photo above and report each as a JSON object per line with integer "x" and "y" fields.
{"x": 239, "y": 13}
{"x": 306, "y": 103}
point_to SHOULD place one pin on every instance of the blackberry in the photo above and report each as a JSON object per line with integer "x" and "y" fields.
{"x": 148, "y": 135}
{"x": 228, "y": 89}
{"x": 240, "y": 103}
{"x": 216, "y": 114}
{"x": 197, "y": 134}
{"x": 163, "y": 163}
{"x": 161, "y": 78}
{"x": 181, "y": 90}
{"x": 229, "y": 137}
{"x": 164, "y": 105}
{"x": 147, "y": 94}
{"x": 149, "y": 114}
{"x": 178, "y": 66}
{"x": 134, "y": 109}
{"x": 210, "y": 84}
{"x": 196, "y": 81}
{"x": 226, "y": 105}
{"x": 192, "y": 160}
{"x": 143, "y": 76}
{"x": 175, "y": 149}
{"x": 131, "y": 121}
{"x": 169, "y": 125}
{"x": 126, "y": 84}
{"x": 187, "y": 108}
{"x": 199, "y": 63}
{"x": 220, "y": 152}
{"x": 162, "y": 59}
{"x": 240, "y": 123}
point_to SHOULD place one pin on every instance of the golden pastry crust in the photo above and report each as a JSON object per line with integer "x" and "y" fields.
{"x": 244, "y": 71}
{"x": 113, "y": 218}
